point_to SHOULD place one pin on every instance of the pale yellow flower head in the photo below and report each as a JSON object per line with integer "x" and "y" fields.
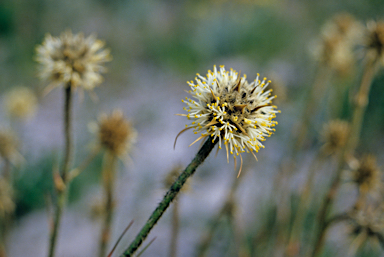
{"x": 335, "y": 135}
{"x": 225, "y": 107}
{"x": 72, "y": 60}
{"x": 20, "y": 103}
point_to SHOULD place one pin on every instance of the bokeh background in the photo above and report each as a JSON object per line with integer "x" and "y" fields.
{"x": 156, "y": 47}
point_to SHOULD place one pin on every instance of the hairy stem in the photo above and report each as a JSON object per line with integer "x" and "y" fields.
{"x": 170, "y": 196}
{"x": 361, "y": 102}
{"x": 62, "y": 192}
{"x": 109, "y": 172}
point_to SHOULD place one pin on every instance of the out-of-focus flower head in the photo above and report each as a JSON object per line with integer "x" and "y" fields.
{"x": 375, "y": 40}
{"x": 225, "y": 107}
{"x": 367, "y": 223}
{"x": 367, "y": 174}
{"x": 339, "y": 37}
{"x": 335, "y": 135}
{"x": 72, "y": 60}
{"x": 20, "y": 103}
{"x": 115, "y": 133}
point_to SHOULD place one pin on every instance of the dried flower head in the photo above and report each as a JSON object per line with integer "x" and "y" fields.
{"x": 9, "y": 145}
{"x": 20, "y": 102}
{"x": 7, "y": 206}
{"x": 115, "y": 133}
{"x": 375, "y": 40}
{"x": 338, "y": 39}
{"x": 335, "y": 135}
{"x": 72, "y": 60}
{"x": 367, "y": 174}
{"x": 229, "y": 109}
{"x": 367, "y": 222}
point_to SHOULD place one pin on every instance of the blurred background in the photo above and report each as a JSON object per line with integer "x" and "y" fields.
{"x": 157, "y": 46}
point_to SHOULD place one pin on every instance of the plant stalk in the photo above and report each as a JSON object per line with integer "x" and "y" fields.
{"x": 109, "y": 174}
{"x": 62, "y": 192}
{"x": 361, "y": 102}
{"x": 170, "y": 196}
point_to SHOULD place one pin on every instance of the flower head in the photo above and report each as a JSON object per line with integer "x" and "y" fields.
{"x": 375, "y": 40}
{"x": 115, "y": 133}
{"x": 20, "y": 102}
{"x": 338, "y": 38}
{"x": 72, "y": 60}
{"x": 367, "y": 175}
{"x": 224, "y": 106}
{"x": 335, "y": 135}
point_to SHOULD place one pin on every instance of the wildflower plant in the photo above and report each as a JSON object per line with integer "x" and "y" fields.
{"x": 228, "y": 111}
{"x": 20, "y": 103}
{"x": 225, "y": 106}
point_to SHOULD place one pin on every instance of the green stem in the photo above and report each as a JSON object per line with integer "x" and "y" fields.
{"x": 109, "y": 172}
{"x": 62, "y": 193}
{"x": 361, "y": 102}
{"x": 170, "y": 196}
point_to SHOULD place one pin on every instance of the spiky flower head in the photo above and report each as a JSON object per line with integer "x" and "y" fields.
{"x": 367, "y": 174}
{"x": 72, "y": 60}
{"x": 7, "y": 206}
{"x": 225, "y": 107}
{"x": 334, "y": 135}
{"x": 115, "y": 133}
{"x": 20, "y": 103}
{"x": 375, "y": 40}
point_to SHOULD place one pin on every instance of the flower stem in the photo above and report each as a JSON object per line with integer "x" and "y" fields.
{"x": 170, "y": 196}
{"x": 109, "y": 172}
{"x": 62, "y": 192}
{"x": 361, "y": 102}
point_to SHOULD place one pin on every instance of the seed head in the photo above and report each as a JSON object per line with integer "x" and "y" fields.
{"x": 7, "y": 206}
{"x": 72, "y": 60}
{"x": 115, "y": 133}
{"x": 367, "y": 174}
{"x": 20, "y": 102}
{"x": 375, "y": 40}
{"x": 335, "y": 135}
{"x": 225, "y": 107}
